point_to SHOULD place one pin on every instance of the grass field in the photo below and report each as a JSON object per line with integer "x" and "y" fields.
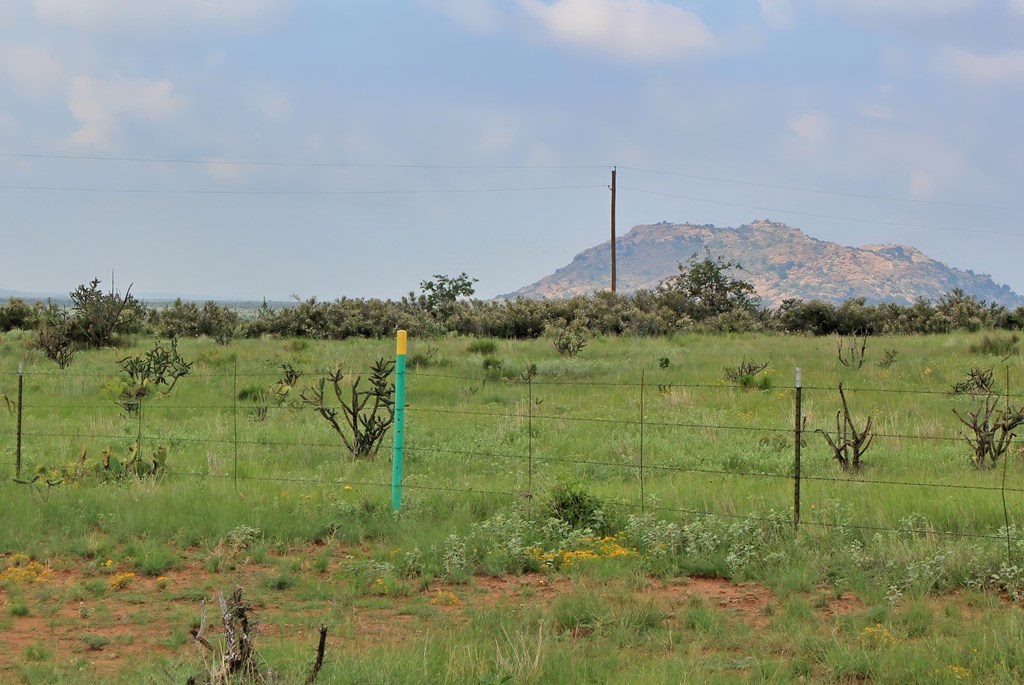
{"x": 690, "y": 570}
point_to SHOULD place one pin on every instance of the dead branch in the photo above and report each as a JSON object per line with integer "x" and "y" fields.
{"x": 197, "y": 633}
{"x": 848, "y": 353}
{"x": 849, "y": 444}
{"x": 319, "y": 655}
{"x": 991, "y": 429}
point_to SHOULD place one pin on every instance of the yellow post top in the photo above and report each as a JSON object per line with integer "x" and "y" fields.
{"x": 402, "y": 335}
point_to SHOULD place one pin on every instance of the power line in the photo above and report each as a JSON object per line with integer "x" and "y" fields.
{"x": 168, "y": 191}
{"x": 864, "y": 196}
{"x": 821, "y": 216}
{"x": 314, "y": 165}
{"x": 498, "y": 167}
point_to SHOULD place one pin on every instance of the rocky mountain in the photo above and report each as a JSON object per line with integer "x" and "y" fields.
{"x": 778, "y": 260}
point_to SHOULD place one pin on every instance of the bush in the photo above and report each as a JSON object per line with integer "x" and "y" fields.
{"x": 19, "y": 314}
{"x": 55, "y": 336}
{"x": 997, "y": 345}
{"x": 98, "y": 317}
{"x": 484, "y": 347}
{"x": 573, "y": 505}
{"x": 187, "y": 320}
{"x": 568, "y": 339}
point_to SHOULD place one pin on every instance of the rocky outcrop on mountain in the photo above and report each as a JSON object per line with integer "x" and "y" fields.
{"x": 778, "y": 260}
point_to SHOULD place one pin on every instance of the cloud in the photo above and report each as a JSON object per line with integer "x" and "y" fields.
{"x": 641, "y": 30}
{"x": 1005, "y": 68}
{"x": 812, "y": 130}
{"x": 899, "y": 7}
{"x": 226, "y": 171}
{"x": 100, "y": 106}
{"x": 476, "y": 15}
{"x": 32, "y": 67}
{"x": 777, "y": 13}
{"x": 115, "y": 16}
{"x": 495, "y": 137}
{"x": 267, "y": 100}
{"x": 877, "y": 112}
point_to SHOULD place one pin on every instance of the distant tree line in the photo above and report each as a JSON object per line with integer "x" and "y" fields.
{"x": 702, "y": 297}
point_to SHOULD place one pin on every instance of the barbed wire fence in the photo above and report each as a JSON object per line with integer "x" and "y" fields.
{"x": 41, "y": 420}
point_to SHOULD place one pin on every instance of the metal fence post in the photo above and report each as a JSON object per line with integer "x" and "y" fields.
{"x": 642, "y": 378}
{"x": 234, "y": 414}
{"x": 401, "y": 343}
{"x": 797, "y": 437}
{"x": 21, "y": 395}
{"x": 529, "y": 443}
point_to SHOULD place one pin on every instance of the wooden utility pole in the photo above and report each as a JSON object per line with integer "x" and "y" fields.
{"x": 613, "y": 228}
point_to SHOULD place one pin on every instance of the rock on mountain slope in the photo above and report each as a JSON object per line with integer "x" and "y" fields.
{"x": 778, "y": 260}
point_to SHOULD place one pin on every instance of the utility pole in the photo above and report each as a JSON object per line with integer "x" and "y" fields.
{"x": 613, "y": 228}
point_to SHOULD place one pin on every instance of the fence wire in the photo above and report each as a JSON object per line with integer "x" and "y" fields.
{"x": 536, "y": 455}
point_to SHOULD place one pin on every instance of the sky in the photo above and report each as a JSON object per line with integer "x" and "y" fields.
{"x": 248, "y": 149}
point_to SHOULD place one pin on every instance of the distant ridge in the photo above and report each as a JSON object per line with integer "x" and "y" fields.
{"x": 7, "y": 294}
{"x": 780, "y": 261}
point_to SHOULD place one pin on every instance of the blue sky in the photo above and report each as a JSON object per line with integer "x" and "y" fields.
{"x": 396, "y": 140}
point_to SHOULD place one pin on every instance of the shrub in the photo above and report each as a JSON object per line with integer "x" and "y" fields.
{"x": 568, "y": 339}
{"x": 19, "y": 314}
{"x": 996, "y": 345}
{"x": 55, "y": 336}
{"x": 576, "y": 507}
{"x": 99, "y": 316}
{"x": 484, "y": 347}
{"x": 746, "y": 372}
{"x": 187, "y": 320}
{"x": 493, "y": 366}
{"x": 755, "y": 382}
{"x": 703, "y": 288}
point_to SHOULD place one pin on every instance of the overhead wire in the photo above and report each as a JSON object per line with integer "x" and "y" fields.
{"x": 818, "y": 191}
{"x": 279, "y": 163}
{"x": 200, "y": 191}
{"x": 818, "y": 215}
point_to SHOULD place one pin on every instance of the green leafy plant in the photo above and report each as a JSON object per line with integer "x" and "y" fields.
{"x": 578, "y": 508}
{"x": 703, "y": 288}
{"x": 440, "y": 294}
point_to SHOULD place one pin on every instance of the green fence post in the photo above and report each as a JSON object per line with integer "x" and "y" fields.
{"x": 396, "y": 462}
{"x": 797, "y": 439}
{"x": 21, "y": 398}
